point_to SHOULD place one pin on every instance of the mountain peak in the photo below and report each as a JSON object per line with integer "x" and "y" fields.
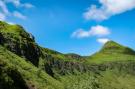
{"x": 112, "y": 44}
{"x": 114, "y": 47}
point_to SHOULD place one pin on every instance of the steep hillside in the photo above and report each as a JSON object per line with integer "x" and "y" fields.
{"x": 17, "y": 40}
{"x": 16, "y": 73}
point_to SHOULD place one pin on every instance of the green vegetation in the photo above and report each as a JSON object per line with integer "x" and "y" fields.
{"x": 32, "y": 76}
{"x": 110, "y": 79}
{"x": 26, "y": 65}
{"x": 112, "y": 47}
{"x": 15, "y": 30}
{"x": 17, "y": 40}
{"x": 110, "y": 52}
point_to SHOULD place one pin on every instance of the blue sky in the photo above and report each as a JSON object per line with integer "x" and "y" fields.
{"x": 74, "y": 26}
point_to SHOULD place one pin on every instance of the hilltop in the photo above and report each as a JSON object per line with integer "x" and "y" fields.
{"x": 112, "y": 51}
{"x": 114, "y": 48}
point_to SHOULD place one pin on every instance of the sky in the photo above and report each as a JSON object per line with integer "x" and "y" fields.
{"x": 73, "y": 26}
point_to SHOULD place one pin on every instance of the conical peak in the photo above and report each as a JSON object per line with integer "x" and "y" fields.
{"x": 114, "y": 47}
{"x": 112, "y": 44}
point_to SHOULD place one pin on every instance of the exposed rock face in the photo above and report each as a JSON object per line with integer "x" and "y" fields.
{"x": 55, "y": 66}
{"x": 74, "y": 56}
{"x": 20, "y": 42}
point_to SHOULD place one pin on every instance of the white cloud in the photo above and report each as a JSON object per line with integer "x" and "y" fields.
{"x": 103, "y": 40}
{"x": 5, "y": 12}
{"x": 15, "y": 2}
{"x": 19, "y": 15}
{"x": 18, "y": 3}
{"x": 28, "y": 5}
{"x": 94, "y": 31}
{"x": 99, "y": 31}
{"x": 95, "y": 14}
{"x": 108, "y": 8}
{"x": 80, "y": 33}
{"x": 2, "y": 17}
{"x": 3, "y": 7}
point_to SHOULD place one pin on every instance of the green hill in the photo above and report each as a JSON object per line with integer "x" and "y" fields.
{"x": 26, "y": 65}
{"x": 112, "y": 47}
{"x": 112, "y": 51}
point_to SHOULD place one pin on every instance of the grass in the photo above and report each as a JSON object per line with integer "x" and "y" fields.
{"x": 31, "y": 75}
{"x": 103, "y": 58}
{"x": 112, "y": 52}
{"x": 13, "y": 29}
{"x": 114, "y": 79}
{"x": 109, "y": 79}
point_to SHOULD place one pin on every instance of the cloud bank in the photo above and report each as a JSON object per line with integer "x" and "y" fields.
{"x": 19, "y": 15}
{"x": 18, "y": 3}
{"x": 98, "y": 30}
{"x": 108, "y": 8}
{"x": 4, "y": 11}
{"x": 103, "y": 40}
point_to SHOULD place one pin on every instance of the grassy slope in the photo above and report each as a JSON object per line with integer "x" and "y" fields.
{"x": 111, "y": 52}
{"x": 31, "y": 75}
{"x": 15, "y": 30}
{"x": 110, "y": 79}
